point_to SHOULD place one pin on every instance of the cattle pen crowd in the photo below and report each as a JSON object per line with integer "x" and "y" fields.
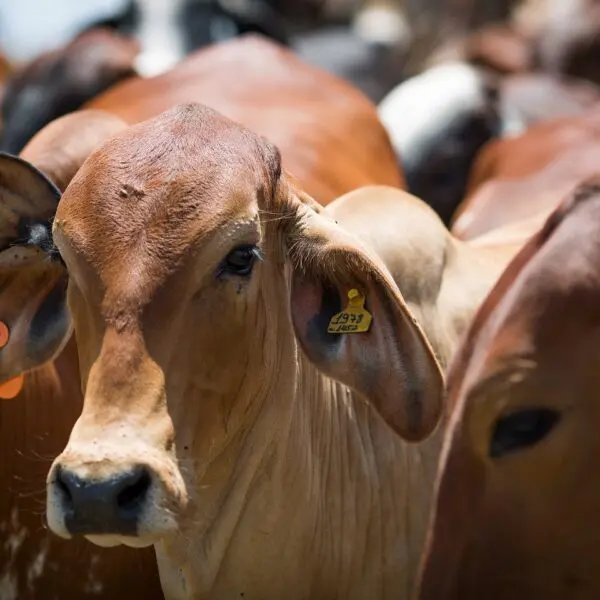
{"x": 294, "y": 298}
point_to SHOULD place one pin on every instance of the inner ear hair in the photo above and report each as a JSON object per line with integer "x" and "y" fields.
{"x": 291, "y": 200}
{"x": 317, "y": 244}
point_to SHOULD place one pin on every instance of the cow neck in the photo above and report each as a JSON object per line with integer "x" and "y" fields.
{"x": 318, "y": 484}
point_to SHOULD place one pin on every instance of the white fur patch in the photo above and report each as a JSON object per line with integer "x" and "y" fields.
{"x": 36, "y": 568}
{"x": 419, "y": 104}
{"x": 383, "y": 25}
{"x": 159, "y": 37}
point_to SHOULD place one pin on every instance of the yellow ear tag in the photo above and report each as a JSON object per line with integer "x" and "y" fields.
{"x": 355, "y": 318}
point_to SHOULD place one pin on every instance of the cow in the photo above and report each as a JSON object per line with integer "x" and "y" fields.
{"x": 358, "y": 41}
{"x": 438, "y": 122}
{"x": 221, "y": 444}
{"x": 61, "y": 81}
{"x": 306, "y": 112}
{"x": 521, "y": 177}
{"x": 37, "y": 411}
{"x": 500, "y": 48}
{"x": 517, "y": 497}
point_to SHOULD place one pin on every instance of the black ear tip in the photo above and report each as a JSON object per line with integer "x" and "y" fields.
{"x": 10, "y": 160}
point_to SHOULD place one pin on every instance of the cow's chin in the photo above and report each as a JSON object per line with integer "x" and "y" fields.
{"x": 109, "y": 541}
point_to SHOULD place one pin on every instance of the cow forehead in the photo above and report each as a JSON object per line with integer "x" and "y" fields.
{"x": 161, "y": 185}
{"x": 149, "y": 195}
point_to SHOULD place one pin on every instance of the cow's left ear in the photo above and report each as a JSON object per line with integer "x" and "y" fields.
{"x": 33, "y": 281}
{"x": 335, "y": 280}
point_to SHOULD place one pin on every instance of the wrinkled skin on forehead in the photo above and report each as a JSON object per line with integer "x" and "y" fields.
{"x": 517, "y": 495}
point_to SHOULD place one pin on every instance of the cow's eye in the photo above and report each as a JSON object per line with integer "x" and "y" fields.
{"x": 240, "y": 260}
{"x": 521, "y": 430}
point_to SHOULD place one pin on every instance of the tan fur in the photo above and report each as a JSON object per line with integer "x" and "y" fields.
{"x": 442, "y": 279}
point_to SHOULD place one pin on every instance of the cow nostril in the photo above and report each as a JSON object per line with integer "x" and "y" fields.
{"x": 64, "y": 484}
{"x": 131, "y": 497}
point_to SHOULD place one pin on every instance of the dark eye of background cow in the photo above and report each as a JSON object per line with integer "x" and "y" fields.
{"x": 240, "y": 261}
{"x": 521, "y": 430}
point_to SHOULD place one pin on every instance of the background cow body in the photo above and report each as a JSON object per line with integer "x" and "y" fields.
{"x": 518, "y": 178}
{"x": 61, "y": 81}
{"x": 272, "y": 87}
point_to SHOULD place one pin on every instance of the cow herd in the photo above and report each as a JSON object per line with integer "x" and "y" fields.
{"x": 261, "y": 338}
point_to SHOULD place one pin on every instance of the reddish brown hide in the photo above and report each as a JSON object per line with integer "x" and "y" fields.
{"x": 518, "y": 178}
{"x": 517, "y": 496}
{"x": 329, "y": 134}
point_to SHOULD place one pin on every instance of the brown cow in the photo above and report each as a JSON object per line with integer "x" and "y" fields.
{"x": 518, "y": 178}
{"x": 499, "y": 47}
{"x": 35, "y": 425}
{"x": 518, "y": 497}
{"x": 329, "y": 134}
{"x": 219, "y": 444}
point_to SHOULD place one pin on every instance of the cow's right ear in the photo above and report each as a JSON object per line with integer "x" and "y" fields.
{"x": 34, "y": 319}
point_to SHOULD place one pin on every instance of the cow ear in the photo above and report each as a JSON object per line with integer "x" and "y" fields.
{"x": 391, "y": 364}
{"x": 33, "y": 279}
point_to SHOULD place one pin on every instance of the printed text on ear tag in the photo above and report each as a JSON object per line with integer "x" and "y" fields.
{"x": 355, "y": 318}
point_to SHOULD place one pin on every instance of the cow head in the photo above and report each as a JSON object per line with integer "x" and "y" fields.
{"x": 197, "y": 272}
{"x": 517, "y": 489}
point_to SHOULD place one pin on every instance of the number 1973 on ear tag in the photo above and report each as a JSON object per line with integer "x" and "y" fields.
{"x": 355, "y": 318}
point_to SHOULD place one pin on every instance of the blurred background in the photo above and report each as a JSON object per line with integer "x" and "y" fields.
{"x": 375, "y": 44}
{"x": 501, "y": 65}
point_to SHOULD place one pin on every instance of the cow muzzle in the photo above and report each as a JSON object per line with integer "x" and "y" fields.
{"x": 111, "y": 502}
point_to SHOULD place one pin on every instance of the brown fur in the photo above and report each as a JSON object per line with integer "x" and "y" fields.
{"x": 518, "y": 178}
{"x": 519, "y": 526}
{"x": 249, "y": 416}
{"x": 328, "y": 133}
